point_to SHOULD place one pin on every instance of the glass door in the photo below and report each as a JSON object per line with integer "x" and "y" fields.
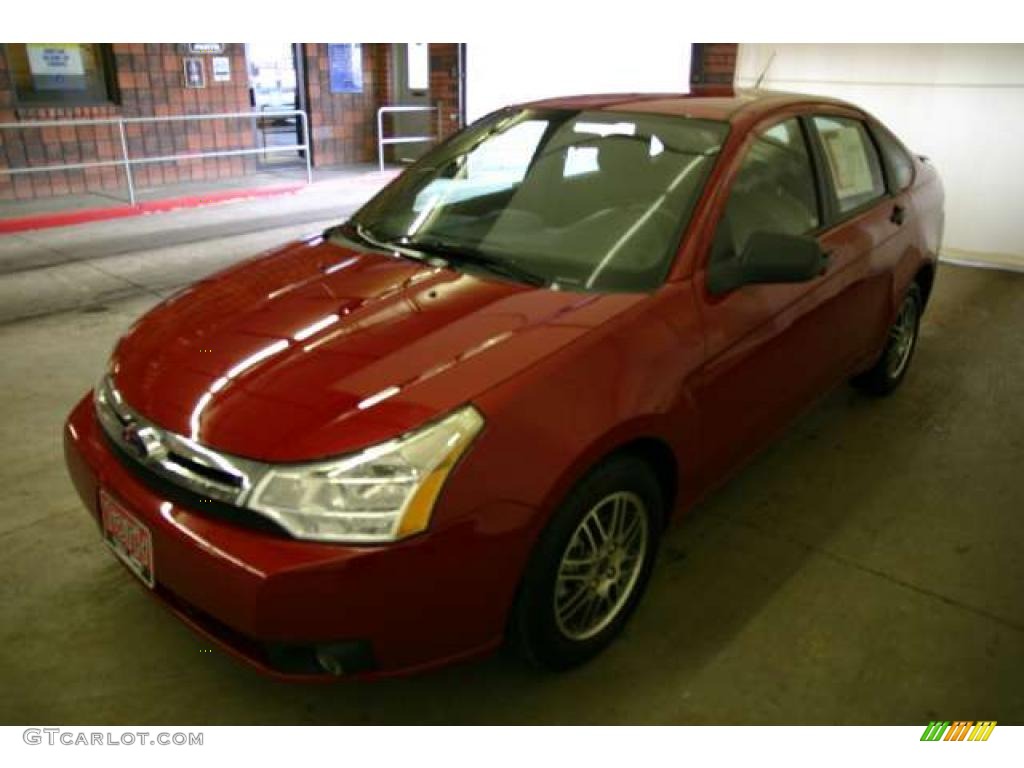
{"x": 410, "y": 87}
{"x": 275, "y": 86}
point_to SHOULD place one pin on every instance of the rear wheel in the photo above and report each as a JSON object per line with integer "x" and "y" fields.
{"x": 590, "y": 567}
{"x": 892, "y": 366}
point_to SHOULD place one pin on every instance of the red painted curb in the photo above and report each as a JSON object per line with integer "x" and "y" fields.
{"x": 67, "y": 218}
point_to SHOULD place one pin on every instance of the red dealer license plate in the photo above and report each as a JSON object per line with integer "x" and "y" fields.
{"x": 129, "y": 539}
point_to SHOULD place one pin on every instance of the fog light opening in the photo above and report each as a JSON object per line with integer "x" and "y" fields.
{"x": 330, "y": 659}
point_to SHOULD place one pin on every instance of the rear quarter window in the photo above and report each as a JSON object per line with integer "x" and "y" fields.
{"x": 898, "y": 160}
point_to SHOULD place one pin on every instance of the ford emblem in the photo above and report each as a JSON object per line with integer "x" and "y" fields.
{"x": 136, "y": 441}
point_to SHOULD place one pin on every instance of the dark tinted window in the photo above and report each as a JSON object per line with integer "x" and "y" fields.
{"x": 900, "y": 164}
{"x": 773, "y": 192}
{"x": 853, "y": 163}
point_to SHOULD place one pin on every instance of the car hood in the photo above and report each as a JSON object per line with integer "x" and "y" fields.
{"x": 318, "y": 349}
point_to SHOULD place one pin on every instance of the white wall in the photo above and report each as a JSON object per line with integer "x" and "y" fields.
{"x": 498, "y": 74}
{"x": 961, "y": 105}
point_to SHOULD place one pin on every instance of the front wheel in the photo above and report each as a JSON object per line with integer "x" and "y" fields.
{"x": 892, "y": 366}
{"x": 590, "y": 567}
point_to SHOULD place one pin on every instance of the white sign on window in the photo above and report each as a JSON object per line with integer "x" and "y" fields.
{"x": 56, "y": 66}
{"x": 849, "y": 161}
{"x": 418, "y": 61}
{"x": 55, "y": 59}
{"x": 221, "y": 69}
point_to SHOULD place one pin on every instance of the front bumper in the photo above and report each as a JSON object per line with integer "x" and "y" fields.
{"x": 274, "y": 601}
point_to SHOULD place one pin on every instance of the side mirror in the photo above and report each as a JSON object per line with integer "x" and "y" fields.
{"x": 769, "y": 257}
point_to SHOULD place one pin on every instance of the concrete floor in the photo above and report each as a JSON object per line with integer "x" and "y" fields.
{"x": 867, "y": 568}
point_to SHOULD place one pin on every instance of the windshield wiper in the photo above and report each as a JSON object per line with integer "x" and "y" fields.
{"x": 358, "y": 232}
{"x": 464, "y": 254}
{"x": 450, "y": 253}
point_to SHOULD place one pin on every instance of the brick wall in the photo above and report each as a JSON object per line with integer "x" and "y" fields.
{"x": 343, "y": 125}
{"x": 713, "y": 63}
{"x": 444, "y": 84}
{"x": 151, "y": 83}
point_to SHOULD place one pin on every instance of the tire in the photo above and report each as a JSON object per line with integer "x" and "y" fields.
{"x": 888, "y": 372}
{"x": 564, "y": 580}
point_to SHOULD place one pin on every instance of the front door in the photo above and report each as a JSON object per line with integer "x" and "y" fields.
{"x": 275, "y": 86}
{"x": 770, "y": 348}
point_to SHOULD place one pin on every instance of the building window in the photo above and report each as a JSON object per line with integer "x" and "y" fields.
{"x": 62, "y": 74}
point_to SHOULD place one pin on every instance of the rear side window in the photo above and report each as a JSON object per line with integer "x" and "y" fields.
{"x": 773, "y": 191}
{"x": 901, "y": 166}
{"x": 853, "y": 162}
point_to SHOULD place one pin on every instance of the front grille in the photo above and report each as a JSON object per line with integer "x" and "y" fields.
{"x": 177, "y": 468}
{"x": 181, "y": 496}
{"x": 210, "y": 473}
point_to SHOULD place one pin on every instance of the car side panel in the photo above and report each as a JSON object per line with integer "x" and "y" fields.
{"x": 928, "y": 198}
{"x": 864, "y": 253}
{"x": 902, "y": 250}
{"x": 771, "y": 352}
{"x": 626, "y": 380}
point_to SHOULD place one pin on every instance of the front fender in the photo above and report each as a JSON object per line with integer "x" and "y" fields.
{"x": 625, "y": 380}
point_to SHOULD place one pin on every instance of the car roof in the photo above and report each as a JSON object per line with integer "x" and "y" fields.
{"x": 722, "y": 103}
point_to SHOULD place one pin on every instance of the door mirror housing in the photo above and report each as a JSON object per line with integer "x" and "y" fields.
{"x": 769, "y": 257}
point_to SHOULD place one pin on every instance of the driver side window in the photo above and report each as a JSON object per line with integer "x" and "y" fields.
{"x": 774, "y": 191}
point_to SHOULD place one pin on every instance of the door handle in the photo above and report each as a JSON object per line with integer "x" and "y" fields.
{"x": 898, "y": 214}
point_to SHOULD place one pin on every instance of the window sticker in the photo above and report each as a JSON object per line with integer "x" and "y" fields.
{"x": 848, "y": 161}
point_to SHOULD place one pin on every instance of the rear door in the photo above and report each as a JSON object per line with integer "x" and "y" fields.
{"x": 865, "y": 233}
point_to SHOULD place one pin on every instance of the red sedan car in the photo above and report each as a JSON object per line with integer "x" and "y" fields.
{"x": 466, "y": 415}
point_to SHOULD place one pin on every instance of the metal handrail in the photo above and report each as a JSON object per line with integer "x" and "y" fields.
{"x": 391, "y": 109}
{"x": 127, "y": 162}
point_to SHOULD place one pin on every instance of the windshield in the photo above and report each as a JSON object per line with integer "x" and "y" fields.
{"x": 580, "y": 200}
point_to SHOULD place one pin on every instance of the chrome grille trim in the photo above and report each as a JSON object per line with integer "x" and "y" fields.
{"x": 172, "y": 456}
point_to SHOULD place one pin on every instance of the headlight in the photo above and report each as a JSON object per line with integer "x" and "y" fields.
{"x": 384, "y": 493}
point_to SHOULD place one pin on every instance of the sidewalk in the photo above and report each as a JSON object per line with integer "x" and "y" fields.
{"x": 29, "y": 215}
{"x": 90, "y": 266}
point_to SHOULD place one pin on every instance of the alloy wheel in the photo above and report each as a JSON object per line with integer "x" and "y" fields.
{"x": 901, "y": 336}
{"x": 601, "y": 565}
